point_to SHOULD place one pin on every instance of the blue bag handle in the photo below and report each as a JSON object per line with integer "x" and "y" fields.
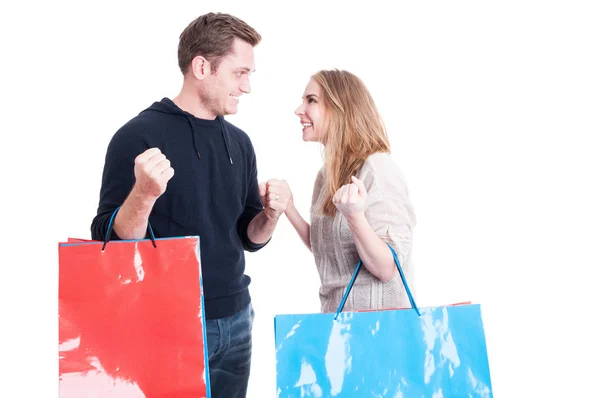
{"x": 410, "y": 297}
{"x": 110, "y": 226}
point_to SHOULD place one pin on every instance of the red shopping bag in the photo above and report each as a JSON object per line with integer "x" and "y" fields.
{"x": 131, "y": 319}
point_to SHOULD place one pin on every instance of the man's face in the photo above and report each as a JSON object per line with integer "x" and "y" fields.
{"x": 231, "y": 79}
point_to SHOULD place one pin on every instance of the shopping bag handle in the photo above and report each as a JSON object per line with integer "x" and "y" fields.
{"x": 110, "y": 227}
{"x": 404, "y": 282}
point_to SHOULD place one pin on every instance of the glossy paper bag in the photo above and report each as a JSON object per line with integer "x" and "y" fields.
{"x": 131, "y": 319}
{"x": 427, "y": 352}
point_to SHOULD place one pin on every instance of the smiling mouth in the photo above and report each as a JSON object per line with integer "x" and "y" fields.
{"x": 307, "y": 125}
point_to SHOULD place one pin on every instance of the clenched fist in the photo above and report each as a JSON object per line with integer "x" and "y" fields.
{"x": 351, "y": 199}
{"x": 152, "y": 172}
{"x": 275, "y": 196}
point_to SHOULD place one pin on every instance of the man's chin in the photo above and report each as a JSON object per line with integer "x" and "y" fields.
{"x": 232, "y": 110}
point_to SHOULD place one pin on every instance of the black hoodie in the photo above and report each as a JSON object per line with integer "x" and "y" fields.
{"x": 213, "y": 194}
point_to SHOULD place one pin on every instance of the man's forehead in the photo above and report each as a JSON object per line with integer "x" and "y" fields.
{"x": 240, "y": 62}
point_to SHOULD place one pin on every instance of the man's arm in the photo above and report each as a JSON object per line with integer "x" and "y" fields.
{"x": 261, "y": 229}
{"x": 152, "y": 172}
{"x": 130, "y": 182}
{"x": 275, "y": 195}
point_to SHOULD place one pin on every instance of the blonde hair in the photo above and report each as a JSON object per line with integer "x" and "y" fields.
{"x": 353, "y": 129}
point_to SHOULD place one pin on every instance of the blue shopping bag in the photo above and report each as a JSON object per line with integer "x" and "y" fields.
{"x": 427, "y": 352}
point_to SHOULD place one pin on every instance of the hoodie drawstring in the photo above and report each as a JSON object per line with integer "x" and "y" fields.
{"x": 193, "y": 136}
{"x": 223, "y": 130}
{"x": 223, "y": 135}
{"x": 167, "y": 106}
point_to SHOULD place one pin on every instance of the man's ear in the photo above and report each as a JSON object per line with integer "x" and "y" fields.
{"x": 200, "y": 67}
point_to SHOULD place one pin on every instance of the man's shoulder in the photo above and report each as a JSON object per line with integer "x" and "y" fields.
{"x": 143, "y": 125}
{"x": 145, "y": 120}
{"x": 238, "y": 133}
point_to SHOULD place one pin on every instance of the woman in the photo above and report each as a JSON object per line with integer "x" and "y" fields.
{"x": 360, "y": 201}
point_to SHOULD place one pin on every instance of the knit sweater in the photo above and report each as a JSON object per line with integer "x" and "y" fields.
{"x": 390, "y": 214}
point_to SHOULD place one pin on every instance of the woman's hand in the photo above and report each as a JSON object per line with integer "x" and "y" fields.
{"x": 351, "y": 199}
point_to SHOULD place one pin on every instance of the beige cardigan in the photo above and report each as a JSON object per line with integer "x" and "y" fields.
{"x": 390, "y": 214}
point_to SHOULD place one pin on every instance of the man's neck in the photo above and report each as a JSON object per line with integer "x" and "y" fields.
{"x": 188, "y": 101}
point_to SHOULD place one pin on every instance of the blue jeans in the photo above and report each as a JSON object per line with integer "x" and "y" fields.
{"x": 229, "y": 353}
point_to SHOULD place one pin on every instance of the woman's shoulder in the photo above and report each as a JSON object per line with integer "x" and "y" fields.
{"x": 380, "y": 165}
{"x": 381, "y": 172}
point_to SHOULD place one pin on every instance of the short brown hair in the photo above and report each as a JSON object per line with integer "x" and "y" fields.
{"x": 211, "y": 36}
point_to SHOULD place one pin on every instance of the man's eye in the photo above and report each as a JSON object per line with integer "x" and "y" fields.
{"x": 238, "y": 74}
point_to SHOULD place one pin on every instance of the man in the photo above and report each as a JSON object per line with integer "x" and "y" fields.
{"x": 180, "y": 166}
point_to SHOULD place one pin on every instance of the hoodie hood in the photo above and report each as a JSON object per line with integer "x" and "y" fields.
{"x": 168, "y": 106}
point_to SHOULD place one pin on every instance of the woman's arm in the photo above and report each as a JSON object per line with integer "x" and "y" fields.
{"x": 351, "y": 201}
{"x": 300, "y": 225}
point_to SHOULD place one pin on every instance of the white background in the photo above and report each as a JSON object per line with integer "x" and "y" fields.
{"x": 493, "y": 114}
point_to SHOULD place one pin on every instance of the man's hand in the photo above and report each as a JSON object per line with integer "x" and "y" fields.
{"x": 275, "y": 196}
{"x": 152, "y": 173}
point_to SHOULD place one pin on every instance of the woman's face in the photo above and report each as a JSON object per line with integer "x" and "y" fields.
{"x": 312, "y": 113}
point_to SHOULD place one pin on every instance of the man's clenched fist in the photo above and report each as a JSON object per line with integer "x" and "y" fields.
{"x": 152, "y": 172}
